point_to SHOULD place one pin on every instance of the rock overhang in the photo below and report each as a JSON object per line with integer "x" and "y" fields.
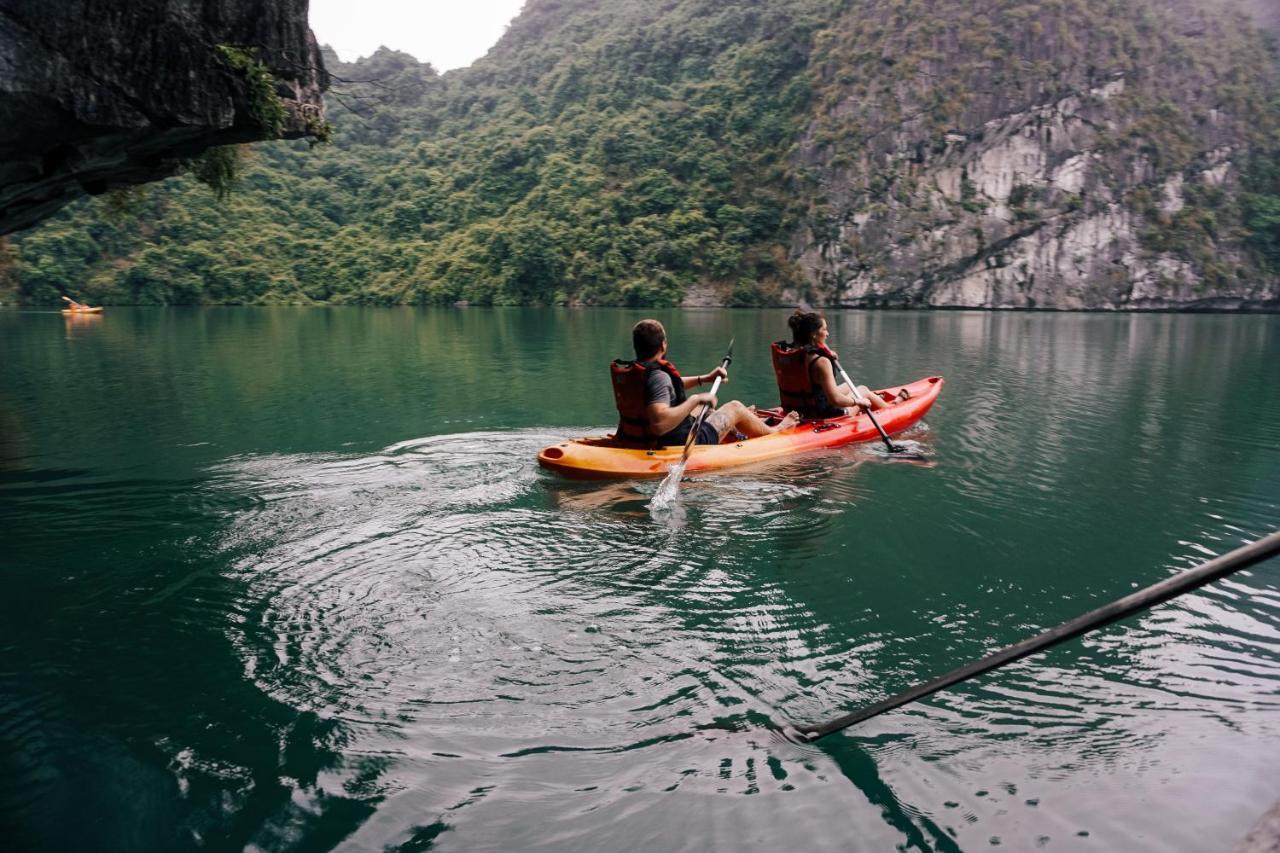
{"x": 95, "y": 96}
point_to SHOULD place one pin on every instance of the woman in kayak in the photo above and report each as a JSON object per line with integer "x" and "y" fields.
{"x": 655, "y": 409}
{"x": 805, "y": 369}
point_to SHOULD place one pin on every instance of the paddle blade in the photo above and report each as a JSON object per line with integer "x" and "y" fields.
{"x": 905, "y": 450}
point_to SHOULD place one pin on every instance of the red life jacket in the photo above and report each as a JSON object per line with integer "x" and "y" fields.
{"x": 629, "y": 381}
{"x": 796, "y": 387}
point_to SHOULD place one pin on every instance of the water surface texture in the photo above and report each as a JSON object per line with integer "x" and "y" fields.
{"x": 291, "y": 579}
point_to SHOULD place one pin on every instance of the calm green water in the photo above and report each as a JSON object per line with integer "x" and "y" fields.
{"x": 290, "y": 579}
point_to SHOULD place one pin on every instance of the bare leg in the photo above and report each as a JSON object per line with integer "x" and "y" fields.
{"x": 877, "y": 402}
{"x": 746, "y": 422}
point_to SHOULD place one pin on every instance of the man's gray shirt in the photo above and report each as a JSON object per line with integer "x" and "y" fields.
{"x": 658, "y": 388}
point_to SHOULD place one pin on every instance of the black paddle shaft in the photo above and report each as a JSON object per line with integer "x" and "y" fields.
{"x": 866, "y": 407}
{"x": 1158, "y": 593}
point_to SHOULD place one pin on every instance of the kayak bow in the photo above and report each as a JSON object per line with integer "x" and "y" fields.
{"x": 601, "y": 458}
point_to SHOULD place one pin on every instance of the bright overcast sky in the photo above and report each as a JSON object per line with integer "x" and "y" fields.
{"x": 447, "y": 33}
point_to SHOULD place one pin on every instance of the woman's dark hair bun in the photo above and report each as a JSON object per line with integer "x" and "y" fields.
{"x": 803, "y": 324}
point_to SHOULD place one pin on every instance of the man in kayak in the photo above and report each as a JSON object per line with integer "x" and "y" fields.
{"x": 654, "y": 407}
{"x": 805, "y": 369}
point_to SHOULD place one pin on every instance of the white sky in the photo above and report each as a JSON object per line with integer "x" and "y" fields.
{"x": 447, "y": 33}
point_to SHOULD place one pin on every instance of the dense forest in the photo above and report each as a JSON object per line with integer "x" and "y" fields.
{"x": 627, "y": 152}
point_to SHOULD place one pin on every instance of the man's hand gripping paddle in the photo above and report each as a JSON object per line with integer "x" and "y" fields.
{"x": 667, "y": 491}
{"x": 706, "y": 408}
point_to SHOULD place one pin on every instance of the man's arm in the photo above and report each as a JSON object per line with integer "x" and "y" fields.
{"x": 663, "y": 417}
{"x": 695, "y": 381}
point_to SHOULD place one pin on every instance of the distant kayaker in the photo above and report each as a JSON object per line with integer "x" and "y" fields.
{"x": 655, "y": 409}
{"x": 806, "y": 375}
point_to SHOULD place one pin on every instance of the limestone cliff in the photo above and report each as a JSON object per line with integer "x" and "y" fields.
{"x": 1065, "y": 154}
{"x": 95, "y": 95}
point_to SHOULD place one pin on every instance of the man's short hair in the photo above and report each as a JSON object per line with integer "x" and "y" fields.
{"x": 647, "y": 337}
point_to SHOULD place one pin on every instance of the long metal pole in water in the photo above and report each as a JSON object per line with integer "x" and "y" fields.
{"x": 1158, "y": 593}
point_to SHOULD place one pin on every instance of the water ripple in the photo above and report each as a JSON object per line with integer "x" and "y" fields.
{"x": 443, "y": 599}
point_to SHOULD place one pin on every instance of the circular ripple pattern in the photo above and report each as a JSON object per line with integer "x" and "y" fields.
{"x": 443, "y": 601}
{"x": 445, "y": 574}
{"x": 492, "y": 632}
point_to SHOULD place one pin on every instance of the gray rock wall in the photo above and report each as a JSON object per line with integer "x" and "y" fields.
{"x": 1039, "y": 195}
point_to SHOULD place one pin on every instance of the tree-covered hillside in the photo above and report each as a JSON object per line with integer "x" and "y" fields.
{"x": 627, "y": 152}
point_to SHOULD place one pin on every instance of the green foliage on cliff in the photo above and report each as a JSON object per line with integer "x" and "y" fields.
{"x": 218, "y": 169}
{"x": 1261, "y": 201}
{"x": 1263, "y": 220}
{"x": 267, "y": 108}
{"x": 622, "y": 153}
{"x": 8, "y": 273}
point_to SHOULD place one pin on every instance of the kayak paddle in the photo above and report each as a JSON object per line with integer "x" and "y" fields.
{"x": 666, "y": 492}
{"x": 866, "y": 407}
{"x": 706, "y": 407}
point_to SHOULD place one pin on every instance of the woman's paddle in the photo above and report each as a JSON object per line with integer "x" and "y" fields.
{"x": 667, "y": 490}
{"x": 866, "y": 407}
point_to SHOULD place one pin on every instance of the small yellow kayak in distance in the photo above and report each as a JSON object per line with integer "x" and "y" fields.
{"x": 95, "y": 310}
{"x": 601, "y": 458}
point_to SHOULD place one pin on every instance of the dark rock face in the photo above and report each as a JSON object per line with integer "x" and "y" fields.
{"x": 96, "y": 94}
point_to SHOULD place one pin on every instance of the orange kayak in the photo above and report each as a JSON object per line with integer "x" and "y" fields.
{"x": 600, "y": 458}
{"x": 94, "y": 310}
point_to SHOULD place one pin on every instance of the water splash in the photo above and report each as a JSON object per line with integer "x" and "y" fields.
{"x": 912, "y": 450}
{"x": 920, "y": 449}
{"x": 665, "y": 497}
